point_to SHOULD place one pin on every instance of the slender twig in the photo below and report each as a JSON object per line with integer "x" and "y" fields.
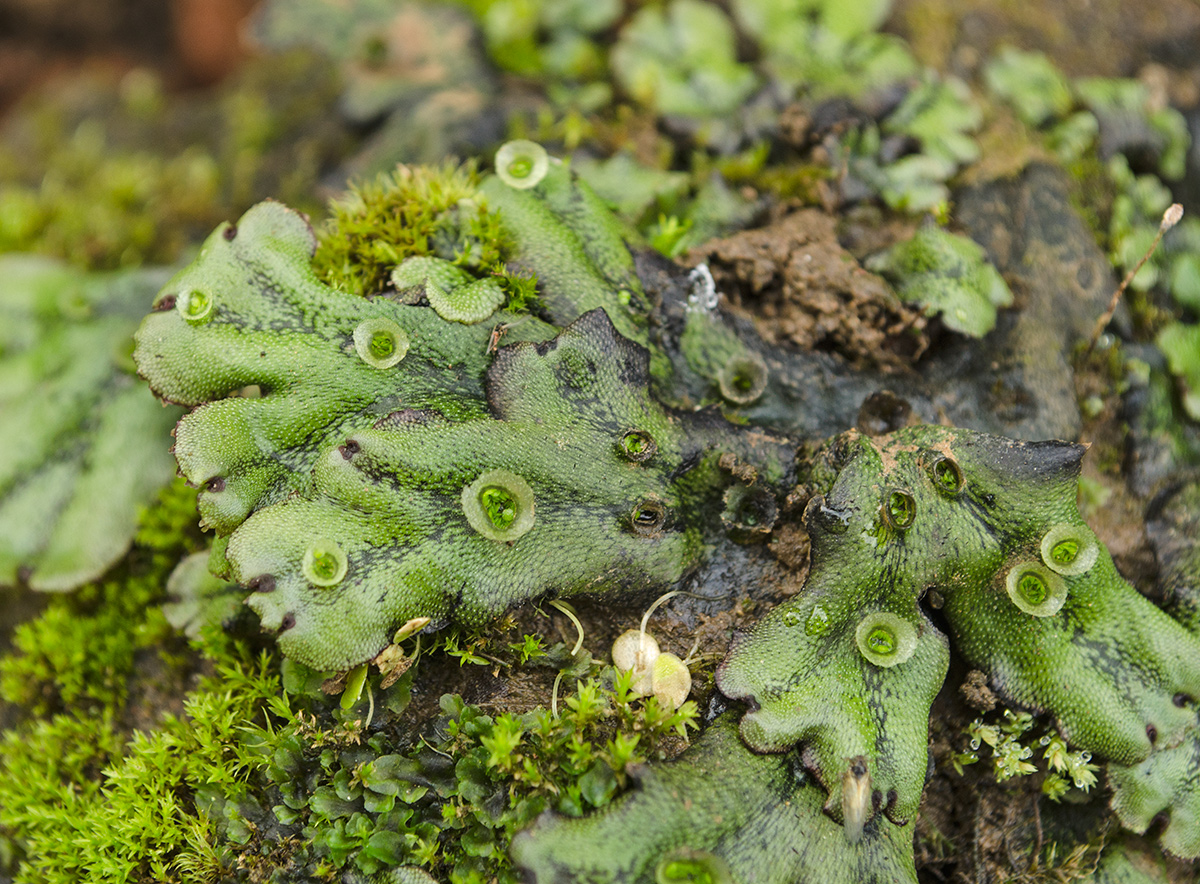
{"x": 1169, "y": 219}
{"x": 566, "y": 609}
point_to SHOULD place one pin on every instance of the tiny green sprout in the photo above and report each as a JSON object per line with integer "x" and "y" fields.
{"x": 522, "y": 164}
{"x": 325, "y": 564}
{"x": 743, "y": 378}
{"x": 499, "y": 505}
{"x": 1035, "y": 589}
{"x": 687, "y": 866}
{"x": 946, "y": 475}
{"x": 355, "y": 680}
{"x": 637, "y": 446}
{"x": 195, "y": 306}
{"x": 1069, "y": 550}
{"x": 430, "y": 274}
{"x": 380, "y": 342}
{"x": 1055, "y": 787}
{"x": 899, "y": 509}
{"x": 529, "y": 648}
{"x": 670, "y": 680}
{"x": 885, "y": 639}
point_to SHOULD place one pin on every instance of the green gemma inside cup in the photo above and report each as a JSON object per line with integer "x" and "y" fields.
{"x": 1069, "y": 550}
{"x": 499, "y": 505}
{"x": 380, "y": 342}
{"x": 688, "y": 866}
{"x": 885, "y": 639}
{"x": 522, "y": 164}
{"x": 1035, "y": 589}
{"x": 325, "y": 563}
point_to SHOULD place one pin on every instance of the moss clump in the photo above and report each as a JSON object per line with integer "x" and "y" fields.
{"x": 452, "y": 801}
{"x": 80, "y": 653}
{"x": 110, "y": 173}
{"x": 414, "y": 212}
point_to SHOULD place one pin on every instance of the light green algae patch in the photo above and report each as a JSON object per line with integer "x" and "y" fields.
{"x": 84, "y": 445}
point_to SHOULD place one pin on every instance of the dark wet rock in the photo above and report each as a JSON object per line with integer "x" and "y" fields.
{"x": 1015, "y": 382}
{"x": 1173, "y": 524}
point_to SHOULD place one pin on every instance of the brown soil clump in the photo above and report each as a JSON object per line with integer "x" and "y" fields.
{"x": 804, "y": 288}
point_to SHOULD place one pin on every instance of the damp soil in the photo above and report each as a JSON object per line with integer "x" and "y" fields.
{"x": 803, "y": 288}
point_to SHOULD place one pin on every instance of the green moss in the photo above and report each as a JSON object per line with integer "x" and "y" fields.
{"x": 79, "y": 801}
{"x": 410, "y": 212}
{"x": 80, "y": 652}
{"x": 110, "y": 174}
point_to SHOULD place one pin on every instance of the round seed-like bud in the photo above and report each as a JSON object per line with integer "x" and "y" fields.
{"x": 1035, "y": 590}
{"x": 195, "y": 306}
{"x": 743, "y": 378}
{"x": 685, "y": 865}
{"x": 522, "y": 164}
{"x": 325, "y": 564}
{"x": 1069, "y": 550}
{"x": 499, "y": 505}
{"x": 885, "y": 639}
{"x": 380, "y": 342}
{"x": 636, "y": 651}
{"x": 671, "y": 680}
{"x": 899, "y": 509}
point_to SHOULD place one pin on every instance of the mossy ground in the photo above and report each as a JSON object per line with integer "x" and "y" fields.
{"x": 130, "y": 753}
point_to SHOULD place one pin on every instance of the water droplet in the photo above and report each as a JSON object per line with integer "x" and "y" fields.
{"x": 818, "y": 621}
